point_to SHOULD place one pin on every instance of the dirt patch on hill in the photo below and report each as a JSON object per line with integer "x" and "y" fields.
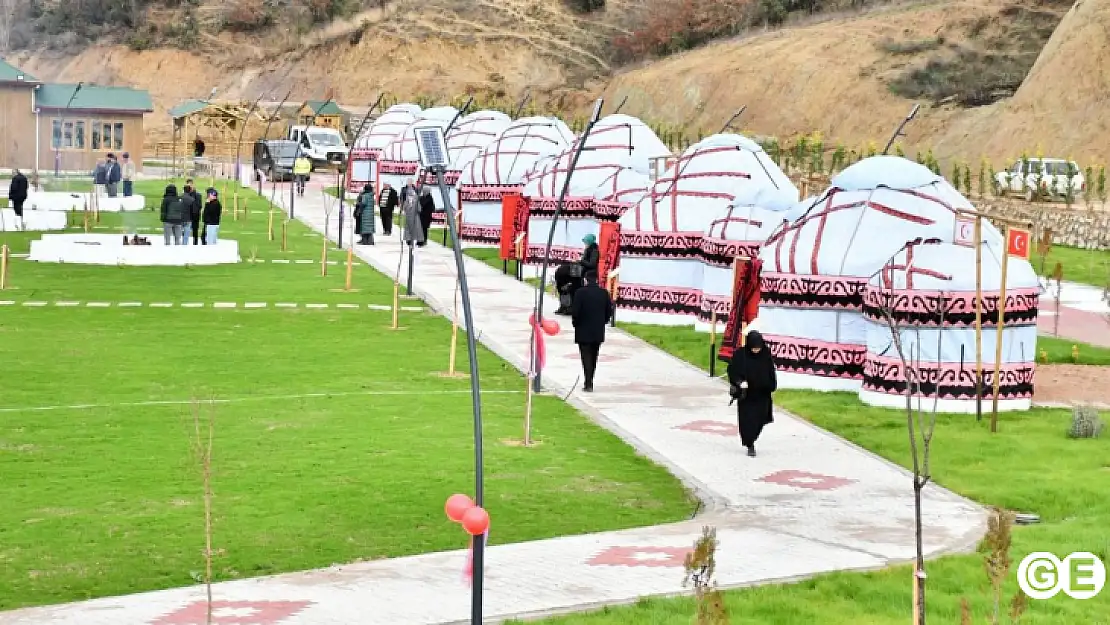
{"x": 1072, "y": 384}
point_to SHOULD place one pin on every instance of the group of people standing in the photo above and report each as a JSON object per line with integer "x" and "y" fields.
{"x": 110, "y": 172}
{"x": 182, "y": 215}
{"x": 417, "y": 207}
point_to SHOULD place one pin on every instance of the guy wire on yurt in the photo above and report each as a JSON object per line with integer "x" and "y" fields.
{"x": 594, "y": 117}
{"x": 362, "y": 126}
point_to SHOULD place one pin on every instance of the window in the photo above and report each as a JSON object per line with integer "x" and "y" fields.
{"x": 68, "y": 134}
{"x": 107, "y": 135}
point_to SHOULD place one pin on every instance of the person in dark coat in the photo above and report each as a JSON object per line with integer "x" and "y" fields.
{"x": 591, "y": 310}
{"x": 213, "y": 209}
{"x": 387, "y": 203}
{"x": 364, "y": 216}
{"x": 175, "y": 212}
{"x": 113, "y": 176}
{"x": 569, "y": 276}
{"x": 192, "y": 225}
{"x": 17, "y": 195}
{"x": 427, "y": 209}
{"x": 752, "y": 381}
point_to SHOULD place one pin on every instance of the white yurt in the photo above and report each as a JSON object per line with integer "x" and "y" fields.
{"x": 501, "y": 168}
{"x": 400, "y": 158}
{"x": 755, "y": 214}
{"x": 465, "y": 141}
{"x": 661, "y": 266}
{"x": 368, "y": 146}
{"x": 815, "y": 270}
{"x": 927, "y": 292}
{"x": 616, "y": 143}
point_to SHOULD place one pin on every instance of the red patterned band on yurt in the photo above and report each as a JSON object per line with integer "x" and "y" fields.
{"x": 745, "y": 305}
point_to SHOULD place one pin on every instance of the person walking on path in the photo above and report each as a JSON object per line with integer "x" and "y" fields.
{"x": 17, "y": 195}
{"x": 410, "y": 215}
{"x": 427, "y": 209}
{"x": 752, "y": 381}
{"x": 192, "y": 223}
{"x": 387, "y": 203}
{"x": 114, "y": 175}
{"x": 211, "y": 217}
{"x": 591, "y": 310}
{"x": 128, "y": 172}
{"x": 364, "y": 216}
{"x": 569, "y": 276}
{"x": 175, "y": 212}
{"x": 302, "y": 167}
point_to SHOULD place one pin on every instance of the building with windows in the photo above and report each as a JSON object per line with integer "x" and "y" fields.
{"x": 67, "y": 127}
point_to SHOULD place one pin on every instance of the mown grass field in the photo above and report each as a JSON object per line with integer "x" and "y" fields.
{"x": 337, "y": 439}
{"x": 1029, "y": 466}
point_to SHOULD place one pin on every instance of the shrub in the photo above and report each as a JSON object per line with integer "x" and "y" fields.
{"x": 248, "y": 15}
{"x": 585, "y": 6}
{"x": 680, "y": 25}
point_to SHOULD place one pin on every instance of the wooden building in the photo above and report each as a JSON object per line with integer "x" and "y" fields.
{"x": 60, "y": 127}
{"x": 324, "y": 113}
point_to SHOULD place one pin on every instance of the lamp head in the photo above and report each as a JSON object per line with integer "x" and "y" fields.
{"x": 596, "y": 115}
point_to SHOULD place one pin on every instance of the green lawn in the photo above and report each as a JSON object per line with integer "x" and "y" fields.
{"x": 1079, "y": 265}
{"x": 1029, "y": 466}
{"x": 336, "y": 438}
{"x": 1059, "y": 351}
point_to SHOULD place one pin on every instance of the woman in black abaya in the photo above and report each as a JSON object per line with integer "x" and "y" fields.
{"x": 752, "y": 381}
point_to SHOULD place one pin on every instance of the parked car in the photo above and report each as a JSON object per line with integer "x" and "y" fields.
{"x": 274, "y": 158}
{"x": 323, "y": 145}
{"x": 1050, "y": 175}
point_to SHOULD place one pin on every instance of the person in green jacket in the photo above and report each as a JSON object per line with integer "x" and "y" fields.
{"x": 364, "y": 216}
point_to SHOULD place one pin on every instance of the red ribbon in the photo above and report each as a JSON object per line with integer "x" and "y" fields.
{"x": 539, "y": 347}
{"x": 468, "y": 572}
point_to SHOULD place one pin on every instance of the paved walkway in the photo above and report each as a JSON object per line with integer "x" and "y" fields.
{"x": 809, "y": 503}
{"x": 1084, "y": 314}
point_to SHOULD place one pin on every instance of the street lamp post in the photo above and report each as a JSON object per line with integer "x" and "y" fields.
{"x": 62, "y": 132}
{"x": 432, "y": 146}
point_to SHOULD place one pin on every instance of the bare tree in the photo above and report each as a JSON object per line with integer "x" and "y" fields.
{"x": 919, "y": 424}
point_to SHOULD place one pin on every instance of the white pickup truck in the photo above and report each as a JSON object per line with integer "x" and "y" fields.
{"x": 320, "y": 144}
{"x": 1051, "y": 175}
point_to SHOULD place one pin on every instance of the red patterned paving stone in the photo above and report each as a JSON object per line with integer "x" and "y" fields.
{"x": 802, "y": 479}
{"x": 235, "y": 613}
{"x": 641, "y": 556}
{"x": 710, "y": 427}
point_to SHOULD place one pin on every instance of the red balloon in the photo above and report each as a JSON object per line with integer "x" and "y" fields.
{"x": 475, "y": 521}
{"x": 457, "y": 505}
{"x": 550, "y": 327}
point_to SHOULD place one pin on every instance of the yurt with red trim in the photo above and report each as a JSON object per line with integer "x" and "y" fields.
{"x": 661, "y": 265}
{"x": 616, "y": 143}
{"x": 465, "y": 142}
{"x": 925, "y": 296}
{"x": 815, "y": 270}
{"x": 400, "y": 158}
{"x": 368, "y": 146}
{"x": 738, "y": 232}
{"x": 501, "y": 168}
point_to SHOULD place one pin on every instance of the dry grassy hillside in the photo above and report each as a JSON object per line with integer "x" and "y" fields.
{"x": 851, "y": 77}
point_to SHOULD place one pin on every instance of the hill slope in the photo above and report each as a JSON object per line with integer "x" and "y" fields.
{"x": 852, "y": 77}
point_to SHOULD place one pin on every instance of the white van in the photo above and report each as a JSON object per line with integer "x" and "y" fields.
{"x": 321, "y": 145}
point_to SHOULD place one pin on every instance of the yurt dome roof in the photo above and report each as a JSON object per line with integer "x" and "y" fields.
{"x": 624, "y": 186}
{"x": 473, "y": 133}
{"x": 615, "y": 143}
{"x": 854, "y": 233}
{"x": 403, "y": 148}
{"x": 703, "y": 182}
{"x": 387, "y": 126}
{"x": 516, "y": 150}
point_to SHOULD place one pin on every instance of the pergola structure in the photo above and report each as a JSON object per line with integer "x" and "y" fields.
{"x": 219, "y": 124}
